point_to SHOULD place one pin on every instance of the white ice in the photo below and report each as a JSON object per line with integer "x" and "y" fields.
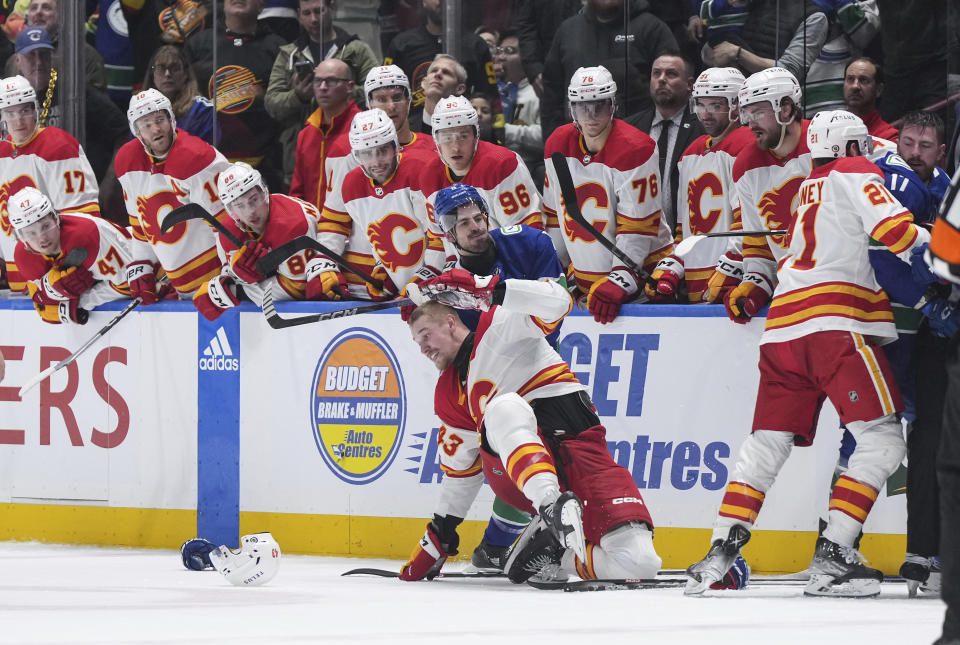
{"x": 80, "y": 595}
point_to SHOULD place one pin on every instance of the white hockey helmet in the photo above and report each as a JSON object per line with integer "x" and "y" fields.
{"x": 15, "y": 90}
{"x": 591, "y": 84}
{"x": 255, "y": 563}
{"x": 452, "y": 112}
{"x": 831, "y": 131}
{"x": 385, "y": 76}
{"x": 771, "y": 85}
{"x": 371, "y": 129}
{"x": 28, "y": 206}
{"x": 718, "y": 82}
{"x": 236, "y": 180}
{"x": 148, "y": 102}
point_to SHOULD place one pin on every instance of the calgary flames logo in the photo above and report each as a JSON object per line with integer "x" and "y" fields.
{"x": 480, "y": 393}
{"x": 8, "y": 190}
{"x": 381, "y": 238}
{"x": 154, "y": 208}
{"x": 585, "y": 193}
{"x": 700, "y": 223}
{"x": 776, "y": 208}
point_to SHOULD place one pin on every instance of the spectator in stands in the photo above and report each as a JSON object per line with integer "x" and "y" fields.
{"x": 862, "y": 86}
{"x": 489, "y": 36}
{"x": 106, "y": 127}
{"x": 521, "y": 107}
{"x": 46, "y": 14}
{"x": 177, "y": 19}
{"x": 537, "y": 21}
{"x": 323, "y": 146}
{"x": 170, "y": 73}
{"x": 289, "y": 98}
{"x": 670, "y": 122}
{"x": 481, "y": 104}
{"x": 596, "y": 37}
{"x": 245, "y": 51}
{"x": 445, "y": 77}
{"x": 280, "y": 17}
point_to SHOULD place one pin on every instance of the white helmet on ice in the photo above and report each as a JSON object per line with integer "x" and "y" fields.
{"x": 28, "y": 206}
{"x": 15, "y": 90}
{"x": 256, "y": 563}
{"x": 148, "y": 102}
{"x": 591, "y": 84}
{"x": 771, "y": 85}
{"x": 385, "y": 76}
{"x": 452, "y": 112}
{"x": 718, "y": 82}
{"x": 236, "y": 180}
{"x": 831, "y": 132}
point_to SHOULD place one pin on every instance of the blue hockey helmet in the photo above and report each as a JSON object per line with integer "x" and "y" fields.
{"x": 196, "y": 554}
{"x": 450, "y": 199}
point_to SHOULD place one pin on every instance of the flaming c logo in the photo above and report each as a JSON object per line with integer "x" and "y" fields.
{"x": 480, "y": 393}
{"x": 700, "y": 223}
{"x": 8, "y": 190}
{"x": 585, "y": 193}
{"x": 154, "y": 208}
{"x": 381, "y": 236}
{"x": 776, "y": 208}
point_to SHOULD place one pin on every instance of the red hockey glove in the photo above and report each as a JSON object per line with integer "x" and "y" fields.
{"x": 439, "y": 542}
{"x": 736, "y": 577}
{"x": 244, "y": 262}
{"x": 142, "y": 282}
{"x": 215, "y": 297}
{"x": 726, "y": 277}
{"x": 67, "y": 283}
{"x": 608, "y": 294}
{"x": 666, "y": 278}
{"x": 746, "y": 299}
{"x": 461, "y": 289}
{"x": 57, "y": 312}
{"x": 324, "y": 280}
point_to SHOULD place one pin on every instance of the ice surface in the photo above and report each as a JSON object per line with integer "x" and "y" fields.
{"x": 80, "y": 595}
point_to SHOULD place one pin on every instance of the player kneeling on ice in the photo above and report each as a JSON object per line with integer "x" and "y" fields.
{"x": 826, "y": 322}
{"x": 64, "y": 290}
{"x": 262, "y": 222}
{"x": 512, "y": 410}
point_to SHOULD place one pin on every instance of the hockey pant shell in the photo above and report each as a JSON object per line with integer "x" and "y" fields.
{"x": 609, "y": 494}
{"x": 948, "y": 474}
{"x": 625, "y": 551}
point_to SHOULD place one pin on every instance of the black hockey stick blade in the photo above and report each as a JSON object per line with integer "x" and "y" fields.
{"x": 386, "y": 573}
{"x": 569, "y": 192}
{"x": 196, "y": 211}
{"x": 74, "y": 258}
{"x": 277, "y": 322}
{"x": 610, "y": 585}
{"x": 268, "y": 263}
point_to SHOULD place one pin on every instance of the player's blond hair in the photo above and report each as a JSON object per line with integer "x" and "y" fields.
{"x": 432, "y": 310}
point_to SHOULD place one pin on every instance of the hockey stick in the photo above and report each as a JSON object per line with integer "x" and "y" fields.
{"x": 386, "y": 573}
{"x": 196, "y": 211}
{"x": 277, "y": 322}
{"x": 569, "y": 192}
{"x": 74, "y": 356}
{"x": 268, "y": 264}
{"x": 686, "y": 245}
{"x": 610, "y": 585}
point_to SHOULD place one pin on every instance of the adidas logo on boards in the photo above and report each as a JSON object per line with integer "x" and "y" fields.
{"x": 218, "y": 356}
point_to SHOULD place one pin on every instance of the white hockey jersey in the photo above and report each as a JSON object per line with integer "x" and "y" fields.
{"x": 392, "y": 218}
{"x": 151, "y": 189}
{"x": 707, "y": 203}
{"x": 618, "y": 192}
{"x": 767, "y": 188}
{"x": 53, "y": 162}
{"x": 826, "y": 280}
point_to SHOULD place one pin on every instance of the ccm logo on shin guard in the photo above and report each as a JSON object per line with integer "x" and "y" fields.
{"x": 626, "y": 500}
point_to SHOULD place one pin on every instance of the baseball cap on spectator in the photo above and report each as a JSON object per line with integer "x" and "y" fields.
{"x": 33, "y": 38}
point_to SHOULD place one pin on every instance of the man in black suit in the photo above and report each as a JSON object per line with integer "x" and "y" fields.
{"x": 671, "y": 123}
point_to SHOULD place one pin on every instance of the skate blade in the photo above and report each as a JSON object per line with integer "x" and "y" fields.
{"x": 696, "y": 587}
{"x": 571, "y": 515}
{"x": 823, "y": 585}
{"x": 912, "y": 587}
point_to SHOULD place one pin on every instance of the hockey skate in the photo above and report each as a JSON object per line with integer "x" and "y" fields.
{"x": 838, "y": 570}
{"x": 717, "y": 562}
{"x": 921, "y": 574}
{"x": 488, "y": 558}
{"x": 539, "y": 549}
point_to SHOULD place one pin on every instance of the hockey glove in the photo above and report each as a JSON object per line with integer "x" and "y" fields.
{"x": 606, "y": 295}
{"x": 324, "y": 280}
{"x": 142, "y": 282}
{"x": 736, "y": 577}
{"x": 748, "y": 298}
{"x": 56, "y": 312}
{"x": 244, "y": 262}
{"x": 922, "y": 272}
{"x": 68, "y": 283}
{"x": 216, "y": 296}
{"x": 461, "y": 289}
{"x": 726, "y": 277}
{"x": 665, "y": 279}
{"x": 943, "y": 316}
{"x": 439, "y": 542}
{"x": 195, "y": 554}
{"x": 389, "y": 289}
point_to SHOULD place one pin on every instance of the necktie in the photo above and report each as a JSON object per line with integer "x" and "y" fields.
{"x": 662, "y": 142}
